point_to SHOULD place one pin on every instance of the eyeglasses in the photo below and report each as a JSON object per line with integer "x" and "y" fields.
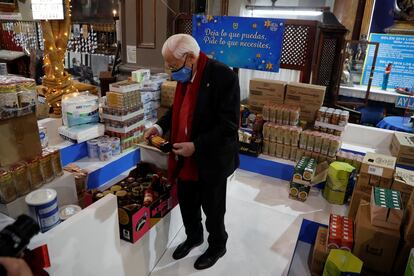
{"x": 174, "y": 68}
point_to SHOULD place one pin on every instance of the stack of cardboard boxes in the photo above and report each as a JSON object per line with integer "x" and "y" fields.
{"x": 309, "y": 97}
{"x": 167, "y": 96}
{"x": 402, "y": 147}
{"x": 377, "y": 170}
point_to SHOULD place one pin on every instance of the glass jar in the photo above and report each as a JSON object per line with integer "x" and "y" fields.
{"x": 7, "y": 189}
{"x": 20, "y": 178}
{"x": 35, "y": 174}
{"x": 46, "y": 167}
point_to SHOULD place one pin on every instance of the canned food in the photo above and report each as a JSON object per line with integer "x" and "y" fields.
{"x": 116, "y": 146}
{"x": 56, "y": 162}
{"x": 7, "y": 190}
{"x": 272, "y": 149}
{"x": 46, "y": 167}
{"x": 93, "y": 149}
{"x": 335, "y": 117}
{"x": 286, "y": 152}
{"x": 266, "y": 147}
{"x": 320, "y": 116}
{"x": 20, "y": 178}
{"x": 35, "y": 173}
{"x": 279, "y": 150}
{"x": 105, "y": 151}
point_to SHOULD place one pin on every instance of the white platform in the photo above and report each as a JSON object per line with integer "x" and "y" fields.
{"x": 66, "y": 193}
{"x": 375, "y": 94}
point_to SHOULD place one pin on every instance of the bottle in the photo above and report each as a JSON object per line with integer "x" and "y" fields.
{"x": 161, "y": 144}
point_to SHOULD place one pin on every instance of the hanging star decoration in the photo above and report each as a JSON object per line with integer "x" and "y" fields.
{"x": 268, "y": 23}
{"x": 209, "y": 18}
{"x": 254, "y": 26}
{"x": 269, "y": 66}
{"x": 258, "y": 55}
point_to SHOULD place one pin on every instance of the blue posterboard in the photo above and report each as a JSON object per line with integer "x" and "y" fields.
{"x": 404, "y": 102}
{"x": 395, "y": 49}
{"x": 242, "y": 42}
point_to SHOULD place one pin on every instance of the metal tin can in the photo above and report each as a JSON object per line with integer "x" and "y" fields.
{"x": 20, "y": 178}
{"x": 116, "y": 146}
{"x": 35, "y": 173}
{"x": 46, "y": 166}
{"x": 44, "y": 207}
{"x": 105, "y": 151}
{"x": 93, "y": 149}
{"x": 7, "y": 189}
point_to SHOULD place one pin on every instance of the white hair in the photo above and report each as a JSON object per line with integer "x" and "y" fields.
{"x": 181, "y": 44}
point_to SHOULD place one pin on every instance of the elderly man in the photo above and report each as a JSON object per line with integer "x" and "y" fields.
{"x": 203, "y": 122}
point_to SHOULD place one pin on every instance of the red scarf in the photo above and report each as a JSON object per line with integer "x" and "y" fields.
{"x": 185, "y": 101}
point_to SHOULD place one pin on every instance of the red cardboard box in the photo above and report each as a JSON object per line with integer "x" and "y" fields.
{"x": 341, "y": 233}
{"x": 133, "y": 224}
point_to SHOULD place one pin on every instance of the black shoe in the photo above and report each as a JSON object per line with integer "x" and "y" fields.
{"x": 209, "y": 258}
{"x": 184, "y": 248}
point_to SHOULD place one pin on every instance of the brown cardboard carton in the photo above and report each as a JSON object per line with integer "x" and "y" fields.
{"x": 385, "y": 217}
{"x": 320, "y": 252}
{"x": 267, "y": 89}
{"x": 379, "y": 165}
{"x": 364, "y": 183}
{"x": 402, "y": 147}
{"x": 385, "y": 182}
{"x": 19, "y": 139}
{"x": 356, "y": 199}
{"x": 404, "y": 183}
{"x": 309, "y": 97}
{"x": 168, "y": 93}
{"x": 375, "y": 246}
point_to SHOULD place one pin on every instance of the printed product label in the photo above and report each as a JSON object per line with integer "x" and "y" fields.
{"x": 375, "y": 170}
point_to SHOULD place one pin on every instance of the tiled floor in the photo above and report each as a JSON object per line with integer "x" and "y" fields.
{"x": 263, "y": 224}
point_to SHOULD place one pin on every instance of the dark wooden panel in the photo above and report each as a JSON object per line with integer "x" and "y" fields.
{"x": 146, "y": 22}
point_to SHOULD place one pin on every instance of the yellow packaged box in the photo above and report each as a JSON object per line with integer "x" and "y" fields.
{"x": 168, "y": 93}
{"x": 379, "y": 165}
{"x": 308, "y": 96}
{"x": 402, "y": 147}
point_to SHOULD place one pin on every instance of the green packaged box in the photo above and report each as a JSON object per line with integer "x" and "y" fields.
{"x": 300, "y": 168}
{"x": 298, "y": 191}
{"x": 409, "y": 271}
{"x": 341, "y": 262}
{"x": 386, "y": 208}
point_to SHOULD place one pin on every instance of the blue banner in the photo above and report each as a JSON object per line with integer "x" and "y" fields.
{"x": 395, "y": 49}
{"x": 405, "y": 102}
{"x": 241, "y": 42}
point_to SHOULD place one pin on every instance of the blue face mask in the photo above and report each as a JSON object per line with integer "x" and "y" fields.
{"x": 183, "y": 74}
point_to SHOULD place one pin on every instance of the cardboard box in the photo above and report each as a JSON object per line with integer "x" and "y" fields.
{"x": 267, "y": 90}
{"x": 19, "y": 139}
{"x": 402, "y": 147}
{"x": 309, "y": 97}
{"x": 379, "y": 165}
{"x": 375, "y": 246}
{"x": 356, "y": 199}
{"x": 341, "y": 233}
{"x": 320, "y": 252}
{"x": 404, "y": 183}
{"x": 167, "y": 93}
{"x": 364, "y": 184}
{"x": 133, "y": 223}
{"x": 385, "y": 183}
{"x": 386, "y": 208}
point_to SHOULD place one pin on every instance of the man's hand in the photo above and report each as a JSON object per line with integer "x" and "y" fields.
{"x": 186, "y": 149}
{"x": 15, "y": 267}
{"x": 151, "y": 132}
